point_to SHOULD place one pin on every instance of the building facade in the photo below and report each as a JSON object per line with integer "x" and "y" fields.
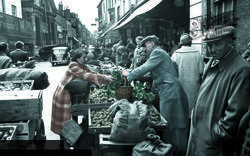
{"x": 228, "y": 12}
{"x": 41, "y": 13}
{"x": 13, "y": 27}
{"x": 167, "y": 19}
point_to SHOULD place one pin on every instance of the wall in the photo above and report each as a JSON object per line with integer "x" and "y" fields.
{"x": 196, "y": 23}
{"x": 243, "y": 22}
{"x": 8, "y": 8}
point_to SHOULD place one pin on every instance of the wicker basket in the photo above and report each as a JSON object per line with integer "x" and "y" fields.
{"x": 124, "y": 92}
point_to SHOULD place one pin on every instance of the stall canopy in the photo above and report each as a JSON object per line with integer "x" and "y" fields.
{"x": 114, "y": 25}
{"x": 141, "y": 10}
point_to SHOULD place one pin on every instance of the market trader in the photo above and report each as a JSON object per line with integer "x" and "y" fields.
{"x": 173, "y": 99}
{"x": 61, "y": 103}
{"x": 223, "y": 97}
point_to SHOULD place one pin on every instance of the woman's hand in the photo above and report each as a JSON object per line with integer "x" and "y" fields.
{"x": 109, "y": 78}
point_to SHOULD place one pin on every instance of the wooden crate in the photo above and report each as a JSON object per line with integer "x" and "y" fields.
{"x": 25, "y": 130}
{"x": 94, "y": 129}
{"x": 101, "y": 130}
{"x": 81, "y": 109}
{"x": 20, "y": 105}
{"x": 164, "y": 123}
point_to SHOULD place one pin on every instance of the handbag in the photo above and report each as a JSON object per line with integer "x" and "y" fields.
{"x": 71, "y": 132}
{"x": 152, "y": 146}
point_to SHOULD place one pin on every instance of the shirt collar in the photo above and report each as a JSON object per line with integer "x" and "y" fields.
{"x": 227, "y": 59}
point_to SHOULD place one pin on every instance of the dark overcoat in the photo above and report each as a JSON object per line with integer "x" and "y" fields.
{"x": 223, "y": 99}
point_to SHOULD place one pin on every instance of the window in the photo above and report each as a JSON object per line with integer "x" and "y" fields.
{"x": 118, "y": 13}
{"x": 3, "y": 5}
{"x": 223, "y": 12}
{"x": 14, "y": 11}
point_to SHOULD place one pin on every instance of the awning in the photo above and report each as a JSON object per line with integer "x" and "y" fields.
{"x": 141, "y": 10}
{"x": 114, "y": 25}
{"x": 109, "y": 29}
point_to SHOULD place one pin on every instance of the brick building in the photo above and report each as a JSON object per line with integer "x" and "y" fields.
{"x": 228, "y": 12}
{"x": 242, "y": 14}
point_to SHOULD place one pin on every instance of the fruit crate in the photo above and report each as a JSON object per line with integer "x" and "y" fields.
{"x": 16, "y": 85}
{"x": 21, "y": 105}
{"x": 24, "y": 129}
{"x": 80, "y": 109}
{"x": 10, "y": 132}
{"x": 163, "y": 125}
{"x": 93, "y": 129}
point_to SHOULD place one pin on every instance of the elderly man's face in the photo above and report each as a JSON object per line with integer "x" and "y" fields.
{"x": 218, "y": 49}
{"x": 149, "y": 45}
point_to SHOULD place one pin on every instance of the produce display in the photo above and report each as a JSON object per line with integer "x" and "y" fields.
{"x": 99, "y": 97}
{"x": 15, "y": 86}
{"x": 140, "y": 91}
{"x": 101, "y": 117}
{"x": 109, "y": 90}
{"x": 154, "y": 116}
{"x": 5, "y": 135}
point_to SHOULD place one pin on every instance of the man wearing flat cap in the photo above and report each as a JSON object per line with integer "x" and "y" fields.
{"x": 223, "y": 97}
{"x": 173, "y": 99}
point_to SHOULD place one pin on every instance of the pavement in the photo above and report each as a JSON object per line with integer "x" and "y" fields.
{"x": 54, "y": 75}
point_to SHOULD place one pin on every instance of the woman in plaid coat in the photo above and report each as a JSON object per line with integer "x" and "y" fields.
{"x": 61, "y": 99}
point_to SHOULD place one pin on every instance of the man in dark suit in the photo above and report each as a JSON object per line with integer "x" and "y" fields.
{"x": 5, "y": 61}
{"x": 19, "y": 54}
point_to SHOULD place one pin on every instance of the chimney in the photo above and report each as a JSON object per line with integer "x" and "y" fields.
{"x": 60, "y": 8}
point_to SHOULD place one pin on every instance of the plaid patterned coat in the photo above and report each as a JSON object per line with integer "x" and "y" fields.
{"x": 61, "y": 99}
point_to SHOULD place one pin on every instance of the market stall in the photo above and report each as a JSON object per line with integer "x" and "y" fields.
{"x": 94, "y": 109}
{"x": 20, "y": 114}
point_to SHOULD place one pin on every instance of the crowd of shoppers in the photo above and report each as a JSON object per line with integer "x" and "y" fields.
{"x": 204, "y": 103}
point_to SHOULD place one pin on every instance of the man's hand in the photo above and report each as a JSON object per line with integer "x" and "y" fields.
{"x": 125, "y": 73}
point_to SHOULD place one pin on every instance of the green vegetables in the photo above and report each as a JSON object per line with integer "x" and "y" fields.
{"x": 140, "y": 91}
{"x": 109, "y": 90}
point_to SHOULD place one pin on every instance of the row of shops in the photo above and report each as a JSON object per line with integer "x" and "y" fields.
{"x": 162, "y": 18}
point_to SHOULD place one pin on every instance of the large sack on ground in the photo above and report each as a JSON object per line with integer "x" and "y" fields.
{"x": 15, "y": 74}
{"x": 131, "y": 122}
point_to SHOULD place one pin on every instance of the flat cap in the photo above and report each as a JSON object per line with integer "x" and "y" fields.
{"x": 218, "y": 33}
{"x": 149, "y": 38}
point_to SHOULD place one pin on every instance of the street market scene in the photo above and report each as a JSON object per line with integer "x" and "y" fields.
{"x": 125, "y": 77}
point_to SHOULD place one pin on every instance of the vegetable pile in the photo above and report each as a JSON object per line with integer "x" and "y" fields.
{"x": 109, "y": 90}
{"x": 140, "y": 91}
{"x": 154, "y": 116}
{"x": 99, "y": 97}
{"x": 15, "y": 86}
{"x": 101, "y": 118}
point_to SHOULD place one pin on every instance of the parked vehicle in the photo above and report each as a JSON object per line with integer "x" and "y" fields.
{"x": 46, "y": 52}
{"x": 60, "y": 55}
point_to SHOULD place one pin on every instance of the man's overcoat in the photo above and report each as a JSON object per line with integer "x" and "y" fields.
{"x": 223, "y": 99}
